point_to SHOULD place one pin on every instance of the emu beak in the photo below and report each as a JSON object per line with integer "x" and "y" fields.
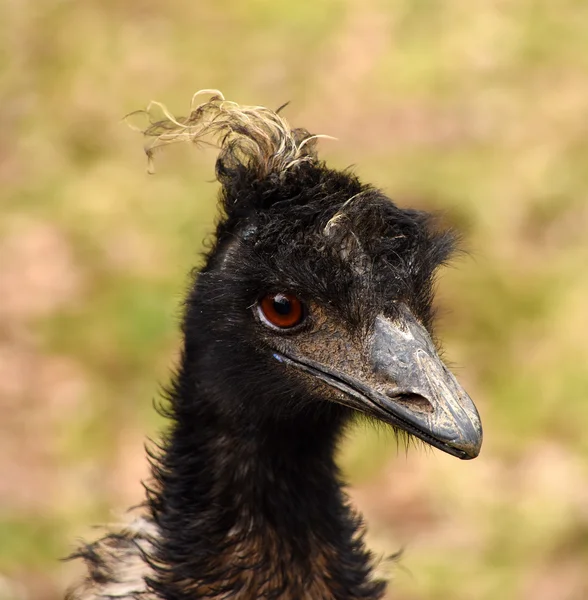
{"x": 395, "y": 376}
{"x": 424, "y": 399}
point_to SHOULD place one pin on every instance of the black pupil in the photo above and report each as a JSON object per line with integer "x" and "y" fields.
{"x": 282, "y": 305}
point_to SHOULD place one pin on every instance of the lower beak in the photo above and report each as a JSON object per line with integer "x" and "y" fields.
{"x": 422, "y": 396}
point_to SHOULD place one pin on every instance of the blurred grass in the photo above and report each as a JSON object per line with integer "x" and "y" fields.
{"x": 477, "y": 109}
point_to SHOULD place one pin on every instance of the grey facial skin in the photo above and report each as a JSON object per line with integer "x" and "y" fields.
{"x": 395, "y": 375}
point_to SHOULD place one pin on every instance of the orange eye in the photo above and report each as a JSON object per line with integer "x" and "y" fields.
{"x": 283, "y": 311}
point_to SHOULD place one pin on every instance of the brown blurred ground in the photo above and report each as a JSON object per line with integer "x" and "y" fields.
{"x": 478, "y": 109}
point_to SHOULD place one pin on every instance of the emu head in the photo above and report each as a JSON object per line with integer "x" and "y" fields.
{"x": 316, "y": 296}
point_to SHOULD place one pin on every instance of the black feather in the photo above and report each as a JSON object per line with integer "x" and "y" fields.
{"x": 246, "y": 497}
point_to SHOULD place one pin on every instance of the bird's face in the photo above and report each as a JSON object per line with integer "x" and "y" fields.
{"x": 389, "y": 370}
{"x": 336, "y": 307}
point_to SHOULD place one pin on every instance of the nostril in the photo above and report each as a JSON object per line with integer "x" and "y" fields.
{"x": 414, "y": 402}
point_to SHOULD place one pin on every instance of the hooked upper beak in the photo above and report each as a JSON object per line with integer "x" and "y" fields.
{"x": 405, "y": 385}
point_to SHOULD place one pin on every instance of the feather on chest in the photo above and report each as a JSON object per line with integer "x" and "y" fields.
{"x": 124, "y": 565}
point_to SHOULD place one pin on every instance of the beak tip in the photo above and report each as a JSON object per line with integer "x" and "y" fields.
{"x": 470, "y": 453}
{"x": 469, "y": 447}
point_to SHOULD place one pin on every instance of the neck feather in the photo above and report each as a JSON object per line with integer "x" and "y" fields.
{"x": 254, "y": 509}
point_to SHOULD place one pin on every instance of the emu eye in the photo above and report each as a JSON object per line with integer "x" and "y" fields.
{"x": 281, "y": 311}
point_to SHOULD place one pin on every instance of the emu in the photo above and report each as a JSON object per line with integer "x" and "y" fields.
{"x": 313, "y": 305}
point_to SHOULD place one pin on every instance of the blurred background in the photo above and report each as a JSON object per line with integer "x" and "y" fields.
{"x": 476, "y": 109}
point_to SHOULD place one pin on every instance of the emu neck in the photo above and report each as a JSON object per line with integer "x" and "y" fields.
{"x": 256, "y": 510}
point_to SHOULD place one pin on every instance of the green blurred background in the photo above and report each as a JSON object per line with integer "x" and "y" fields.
{"x": 478, "y": 109}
